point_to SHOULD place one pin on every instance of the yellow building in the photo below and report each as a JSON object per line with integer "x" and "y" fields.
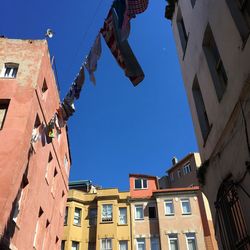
{"x": 96, "y": 218}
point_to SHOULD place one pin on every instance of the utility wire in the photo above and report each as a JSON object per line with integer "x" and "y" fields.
{"x": 85, "y": 33}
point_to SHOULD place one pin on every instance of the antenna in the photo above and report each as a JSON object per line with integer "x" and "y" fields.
{"x": 49, "y": 33}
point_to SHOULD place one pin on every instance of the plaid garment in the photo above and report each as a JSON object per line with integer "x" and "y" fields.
{"x": 121, "y": 51}
{"x": 136, "y": 7}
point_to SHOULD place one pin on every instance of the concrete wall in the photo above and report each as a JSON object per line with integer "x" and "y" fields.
{"x": 26, "y": 102}
{"x": 179, "y": 223}
{"x": 226, "y": 144}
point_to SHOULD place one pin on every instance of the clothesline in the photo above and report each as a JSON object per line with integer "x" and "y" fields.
{"x": 115, "y": 31}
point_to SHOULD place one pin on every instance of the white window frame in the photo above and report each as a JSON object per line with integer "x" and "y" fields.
{"x": 123, "y": 220}
{"x": 142, "y": 241}
{"x": 174, "y": 237}
{"x": 12, "y": 72}
{"x": 106, "y": 217}
{"x": 169, "y": 201}
{"x": 187, "y": 168}
{"x": 77, "y": 217}
{"x": 139, "y": 207}
{"x": 142, "y": 183}
{"x": 123, "y": 242}
{"x": 106, "y": 240}
{"x": 191, "y": 238}
{"x": 183, "y": 200}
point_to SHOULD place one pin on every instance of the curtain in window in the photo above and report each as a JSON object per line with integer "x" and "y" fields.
{"x": 186, "y": 206}
{"x": 123, "y": 215}
{"x": 107, "y": 212}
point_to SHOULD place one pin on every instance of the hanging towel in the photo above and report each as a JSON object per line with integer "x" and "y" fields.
{"x": 121, "y": 49}
{"x": 136, "y": 7}
{"x": 92, "y": 58}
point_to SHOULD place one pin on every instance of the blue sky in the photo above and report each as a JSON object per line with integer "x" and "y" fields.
{"x": 117, "y": 128}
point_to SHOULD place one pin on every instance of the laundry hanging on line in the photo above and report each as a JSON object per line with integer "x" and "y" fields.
{"x": 121, "y": 49}
{"x": 92, "y": 58}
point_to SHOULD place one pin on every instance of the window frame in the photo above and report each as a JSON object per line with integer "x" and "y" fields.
{"x": 142, "y": 207}
{"x": 106, "y": 240}
{"x": 183, "y": 200}
{"x": 4, "y": 107}
{"x": 192, "y": 238}
{"x": 92, "y": 216}
{"x": 107, "y": 218}
{"x": 187, "y": 168}
{"x": 142, "y": 241}
{"x": 120, "y": 216}
{"x": 169, "y": 201}
{"x": 77, "y": 217}
{"x": 174, "y": 237}
{"x": 142, "y": 182}
{"x": 154, "y": 240}
{"x": 13, "y": 70}
{"x": 123, "y": 241}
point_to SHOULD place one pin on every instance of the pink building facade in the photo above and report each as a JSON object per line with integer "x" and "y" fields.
{"x": 34, "y": 173}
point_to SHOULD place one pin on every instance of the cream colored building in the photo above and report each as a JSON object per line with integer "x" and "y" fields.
{"x": 212, "y": 40}
{"x": 96, "y": 219}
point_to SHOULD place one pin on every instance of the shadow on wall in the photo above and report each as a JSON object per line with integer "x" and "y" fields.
{"x": 10, "y": 227}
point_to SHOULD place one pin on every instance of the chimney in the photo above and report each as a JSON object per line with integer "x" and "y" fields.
{"x": 174, "y": 160}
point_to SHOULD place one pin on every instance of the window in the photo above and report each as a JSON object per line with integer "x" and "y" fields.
{"x": 232, "y": 219}
{"x": 173, "y": 241}
{"x": 182, "y": 31}
{"x": 66, "y": 162}
{"x": 139, "y": 213}
{"x": 169, "y": 207}
{"x": 215, "y": 63}
{"x": 240, "y": 11}
{"x": 123, "y": 215}
{"x": 66, "y": 216}
{"x": 154, "y": 242}
{"x": 10, "y": 70}
{"x": 172, "y": 177}
{"x": 107, "y": 213}
{"x": 151, "y": 212}
{"x": 20, "y": 196}
{"x": 185, "y": 204}
{"x": 140, "y": 244}
{"x": 53, "y": 184}
{"x": 63, "y": 245}
{"x": 4, "y": 104}
{"x": 123, "y": 245}
{"x": 193, "y": 3}
{"x": 191, "y": 245}
{"x": 141, "y": 184}
{"x": 187, "y": 169}
{"x": 106, "y": 244}
{"x": 200, "y": 109}
{"x": 50, "y": 158}
{"x": 92, "y": 216}
{"x": 179, "y": 173}
{"x": 77, "y": 216}
{"x": 37, "y": 230}
{"x": 75, "y": 245}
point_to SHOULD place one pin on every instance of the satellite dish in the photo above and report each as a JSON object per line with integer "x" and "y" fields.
{"x": 49, "y": 33}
